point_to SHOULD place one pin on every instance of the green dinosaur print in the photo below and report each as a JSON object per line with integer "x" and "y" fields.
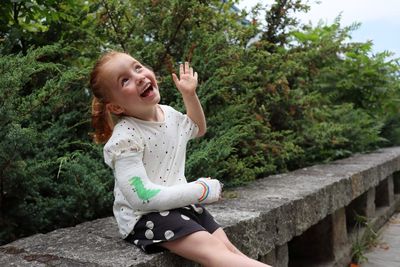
{"x": 143, "y": 193}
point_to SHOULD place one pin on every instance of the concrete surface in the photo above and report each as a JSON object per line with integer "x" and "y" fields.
{"x": 386, "y": 253}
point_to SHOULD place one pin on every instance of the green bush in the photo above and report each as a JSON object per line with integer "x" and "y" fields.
{"x": 51, "y": 174}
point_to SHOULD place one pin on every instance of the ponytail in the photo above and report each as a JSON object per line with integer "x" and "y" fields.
{"x": 102, "y": 121}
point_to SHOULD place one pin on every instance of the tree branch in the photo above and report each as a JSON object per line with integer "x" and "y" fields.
{"x": 114, "y": 26}
{"x": 169, "y": 44}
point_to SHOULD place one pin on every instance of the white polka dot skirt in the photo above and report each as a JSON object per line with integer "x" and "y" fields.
{"x": 157, "y": 227}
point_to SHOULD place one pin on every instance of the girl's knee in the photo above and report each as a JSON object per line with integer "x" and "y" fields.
{"x": 201, "y": 247}
{"x": 214, "y": 247}
{"x": 221, "y": 235}
{"x": 218, "y": 251}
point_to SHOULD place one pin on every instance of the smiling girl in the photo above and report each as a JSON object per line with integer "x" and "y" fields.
{"x": 155, "y": 207}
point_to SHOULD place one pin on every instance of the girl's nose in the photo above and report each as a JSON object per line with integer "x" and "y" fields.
{"x": 139, "y": 78}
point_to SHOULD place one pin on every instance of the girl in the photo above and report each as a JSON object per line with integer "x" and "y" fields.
{"x": 155, "y": 207}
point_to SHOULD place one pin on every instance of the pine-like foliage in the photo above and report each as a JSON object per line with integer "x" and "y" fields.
{"x": 51, "y": 175}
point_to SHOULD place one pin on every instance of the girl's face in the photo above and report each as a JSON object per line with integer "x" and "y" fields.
{"x": 133, "y": 87}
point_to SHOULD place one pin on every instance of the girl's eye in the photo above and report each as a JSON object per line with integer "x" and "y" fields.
{"x": 138, "y": 68}
{"x": 124, "y": 82}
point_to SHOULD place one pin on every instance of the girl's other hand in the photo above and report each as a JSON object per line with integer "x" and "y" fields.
{"x": 187, "y": 81}
{"x": 215, "y": 190}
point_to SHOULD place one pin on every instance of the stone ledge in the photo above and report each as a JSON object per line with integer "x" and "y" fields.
{"x": 261, "y": 219}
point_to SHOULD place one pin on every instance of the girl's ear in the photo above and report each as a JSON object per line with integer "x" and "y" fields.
{"x": 114, "y": 108}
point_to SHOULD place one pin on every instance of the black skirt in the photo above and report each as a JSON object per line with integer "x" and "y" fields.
{"x": 157, "y": 227}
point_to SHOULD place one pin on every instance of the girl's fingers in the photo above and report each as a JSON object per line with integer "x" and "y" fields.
{"x": 186, "y": 67}
{"x": 174, "y": 77}
{"x": 181, "y": 70}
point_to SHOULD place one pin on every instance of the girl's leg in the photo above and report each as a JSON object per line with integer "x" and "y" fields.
{"x": 221, "y": 235}
{"x": 206, "y": 249}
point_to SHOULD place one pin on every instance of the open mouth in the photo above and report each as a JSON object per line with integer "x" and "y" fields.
{"x": 147, "y": 91}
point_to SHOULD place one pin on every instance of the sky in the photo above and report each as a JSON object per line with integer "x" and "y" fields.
{"x": 380, "y": 19}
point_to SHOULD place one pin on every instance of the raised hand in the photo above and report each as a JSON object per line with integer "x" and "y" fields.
{"x": 187, "y": 81}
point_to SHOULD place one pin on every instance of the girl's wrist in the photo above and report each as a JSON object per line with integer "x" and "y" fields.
{"x": 189, "y": 94}
{"x": 211, "y": 190}
{"x": 205, "y": 190}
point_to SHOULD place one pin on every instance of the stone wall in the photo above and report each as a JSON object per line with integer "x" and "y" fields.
{"x": 302, "y": 218}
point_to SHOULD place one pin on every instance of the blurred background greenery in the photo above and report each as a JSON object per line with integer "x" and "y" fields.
{"x": 278, "y": 95}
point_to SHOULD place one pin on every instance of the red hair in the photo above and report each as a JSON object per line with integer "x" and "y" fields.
{"x": 102, "y": 120}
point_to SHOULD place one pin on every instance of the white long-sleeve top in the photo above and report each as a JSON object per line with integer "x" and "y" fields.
{"x": 148, "y": 161}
